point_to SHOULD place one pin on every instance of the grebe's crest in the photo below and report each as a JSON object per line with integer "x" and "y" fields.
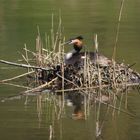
{"x": 78, "y": 37}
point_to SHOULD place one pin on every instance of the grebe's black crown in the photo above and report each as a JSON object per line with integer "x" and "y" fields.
{"x": 78, "y": 37}
{"x": 70, "y": 40}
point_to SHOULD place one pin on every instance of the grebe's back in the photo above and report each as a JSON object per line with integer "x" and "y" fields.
{"x": 78, "y": 59}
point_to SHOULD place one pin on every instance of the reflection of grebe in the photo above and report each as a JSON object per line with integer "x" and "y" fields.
{"x": 75, "y": 56}
{"x": 78, "y": 113}
{"x": 76, "y": 100}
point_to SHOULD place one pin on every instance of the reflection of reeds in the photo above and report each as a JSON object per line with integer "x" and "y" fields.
{"x": 39, "y": 108}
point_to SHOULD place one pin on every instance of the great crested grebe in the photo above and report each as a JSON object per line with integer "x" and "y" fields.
{"x": 77, "y": 46}
{"x": 76, "y": 57}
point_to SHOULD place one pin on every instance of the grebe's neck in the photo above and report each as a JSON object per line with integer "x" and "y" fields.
{"x": 77, "y": 48}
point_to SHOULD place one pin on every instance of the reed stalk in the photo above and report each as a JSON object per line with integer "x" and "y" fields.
{"x": 99, "y": 91}
{"x": 117, "y": 32}
{"x": 26, "y": 56}
{"x": 126, "y": 91}
{"x": 51, "y": 132}
{"x": 63, "y": 82}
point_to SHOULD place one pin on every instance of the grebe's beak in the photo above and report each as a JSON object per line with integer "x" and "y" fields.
{"x": 68, "y": 42}
{"x": 73, "y": 41}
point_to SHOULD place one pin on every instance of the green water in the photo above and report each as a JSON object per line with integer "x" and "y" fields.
{"x": 18, "y": 25}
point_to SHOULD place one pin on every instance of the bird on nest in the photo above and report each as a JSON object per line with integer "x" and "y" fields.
{"x": 75, "y": 56}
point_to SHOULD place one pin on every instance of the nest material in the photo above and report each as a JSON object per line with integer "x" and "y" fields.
{"x": 117, "y": 76}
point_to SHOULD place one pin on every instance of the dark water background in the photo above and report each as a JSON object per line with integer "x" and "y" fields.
{"x": 18, "y": 25}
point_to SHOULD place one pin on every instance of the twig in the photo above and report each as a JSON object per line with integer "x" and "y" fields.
{"x": 15, "y": 85}
{"x": 41, "y": 86}
{"x": 24, "y": 65}
{"x": 94, "y": 87}
{"x": 19, "y": 76}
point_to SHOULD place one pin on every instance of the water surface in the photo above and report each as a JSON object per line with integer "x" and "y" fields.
{"x": 18, "y": 25}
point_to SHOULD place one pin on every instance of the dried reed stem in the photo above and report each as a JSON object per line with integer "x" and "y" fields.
{"x": 16, "y": 77}
{"x": 41, "y": 86}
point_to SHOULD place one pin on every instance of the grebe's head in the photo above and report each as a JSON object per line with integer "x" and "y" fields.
{"x": 76, "y": 41}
